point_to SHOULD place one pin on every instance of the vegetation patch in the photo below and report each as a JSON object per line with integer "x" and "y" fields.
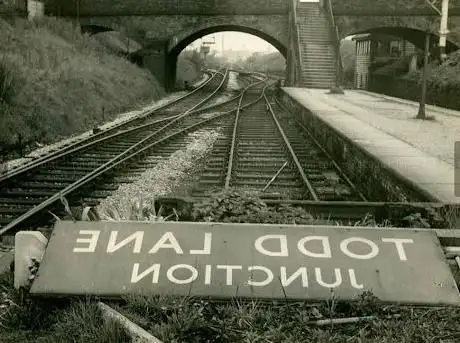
{"x": 185, "y": 319}
{"x": 79, "y": 321}
{"x": 443, "y": 83}
{"x": 189, "y": 65}
{"x": 173, "y": 319}
{"x": 246, "y": 207}
{"x": 271, "y": 63}
{"x": 56, "y": 82}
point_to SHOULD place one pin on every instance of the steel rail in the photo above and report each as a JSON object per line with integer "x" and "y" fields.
{"x": 133, "y": 129}
{"x": 112, "y": 164}
{"x": 231, "y": 158}
{"x": 80, "y": 145}
{"x": 63, "y": 151}
{"x": 292, "y": 153}
{"x": 324, "y": 151}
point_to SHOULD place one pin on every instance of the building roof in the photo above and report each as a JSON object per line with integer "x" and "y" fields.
{"x": 362, "y": 36}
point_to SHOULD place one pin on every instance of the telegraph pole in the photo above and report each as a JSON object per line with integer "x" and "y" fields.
{"x": 443, "y": 30}
{"x": 421, "y": 110}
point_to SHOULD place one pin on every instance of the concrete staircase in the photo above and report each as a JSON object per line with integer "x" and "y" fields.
{"x": 316, "y": 46}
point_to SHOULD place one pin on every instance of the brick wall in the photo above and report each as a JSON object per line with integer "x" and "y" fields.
{"x": 369, "y": 175}
{"x": 144, "y": 29}
{"x": 139, "y": 7}
{"x": 387, "y": 6}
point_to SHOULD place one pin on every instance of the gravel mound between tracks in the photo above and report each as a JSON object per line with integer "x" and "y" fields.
{"x": 161, "y": 179}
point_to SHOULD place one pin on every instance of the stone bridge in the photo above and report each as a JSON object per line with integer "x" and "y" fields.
{"x": 163, "y": 37}
{"x": 165, "y": 27}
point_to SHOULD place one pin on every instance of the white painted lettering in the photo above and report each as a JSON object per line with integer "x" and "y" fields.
{"x": 285, "y": 281}
{"x": 207, "y": 246}
{"x": 172, "y": 244}
{"x": 353, "y": 281}
{"x": 172, "y": 278}
{"x": 135, "y": 276}
{"x": 324, "y": 241}
{"x": 283, "y": 245}
{"x": 92, "y": 242}
{"x": 207, "y": 275}
{"x": 137, "y": 237}
{"x": 374, "y": 248}
{"x": 399, "y": 245}
{"x": 267, "y": 280}
{"x": 229, "y": 272}
{"x": 336, "y": 283}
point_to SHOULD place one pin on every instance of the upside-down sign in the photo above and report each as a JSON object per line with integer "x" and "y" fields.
{"x": 246, "y": 260}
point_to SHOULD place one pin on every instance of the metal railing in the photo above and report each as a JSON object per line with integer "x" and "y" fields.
{"x": 335, "y": 33}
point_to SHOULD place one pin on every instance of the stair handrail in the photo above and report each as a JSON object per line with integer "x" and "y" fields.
{"x": 298, "y": 69}
{"x": 335, "y": 32}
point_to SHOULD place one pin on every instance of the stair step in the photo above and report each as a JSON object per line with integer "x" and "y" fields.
{"x": 308, "y": 68}
{"x": 319, "y": 74}
{"x": 319, "y": 56}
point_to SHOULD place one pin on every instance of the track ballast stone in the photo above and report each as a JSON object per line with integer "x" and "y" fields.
{"x": 162, "y": 178}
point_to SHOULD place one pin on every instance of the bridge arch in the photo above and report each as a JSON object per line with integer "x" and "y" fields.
{"x": 182, "y": 39}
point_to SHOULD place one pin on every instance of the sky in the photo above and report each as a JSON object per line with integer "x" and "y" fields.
{"x": 231, "y": 40}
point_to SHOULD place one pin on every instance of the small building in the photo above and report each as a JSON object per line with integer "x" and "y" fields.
{"x": 374, "y": 51}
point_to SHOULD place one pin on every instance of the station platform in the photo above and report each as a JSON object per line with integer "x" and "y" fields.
{"x": 421, "y": 151}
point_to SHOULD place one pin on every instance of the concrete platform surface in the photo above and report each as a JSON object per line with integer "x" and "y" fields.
{"x": 416, "y": 150}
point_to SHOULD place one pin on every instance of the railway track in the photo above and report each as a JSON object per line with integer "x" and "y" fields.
{"x": 262, "y": 151}
{"x": 188, "y": 101}
{"x": 87, "y": 171}
{"x": 261, "y": 148}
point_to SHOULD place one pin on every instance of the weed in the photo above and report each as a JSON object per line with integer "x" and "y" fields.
{"x": 67, "y": 321}
{"x": 246, "y": 207}
{"x": 174, "y": 319}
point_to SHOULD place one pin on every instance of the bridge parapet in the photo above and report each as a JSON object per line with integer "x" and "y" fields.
{"x": 389, "y": 7}
{"x": 166, "y": 7}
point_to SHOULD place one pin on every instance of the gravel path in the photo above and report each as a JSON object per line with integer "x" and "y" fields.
{"x": 233, "y": 83}
{"x": 436, "y": 138}
{"x": 161, "y": 179}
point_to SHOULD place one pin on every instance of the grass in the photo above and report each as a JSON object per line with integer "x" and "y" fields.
{"x": 78, "y": 321}
{"x": 174, "y": 319}
{"x": 56, "y": 82}
{"x": 192, "y": 320}
{"x": 184, "y": 319}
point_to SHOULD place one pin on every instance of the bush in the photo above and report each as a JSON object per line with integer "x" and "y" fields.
{"x": 189, "y": 65}
{"x": 246, "y": 207}
{"x": 443, "y": 83}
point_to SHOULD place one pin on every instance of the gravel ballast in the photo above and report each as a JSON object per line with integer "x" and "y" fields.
{"x": 161, "y": 179}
